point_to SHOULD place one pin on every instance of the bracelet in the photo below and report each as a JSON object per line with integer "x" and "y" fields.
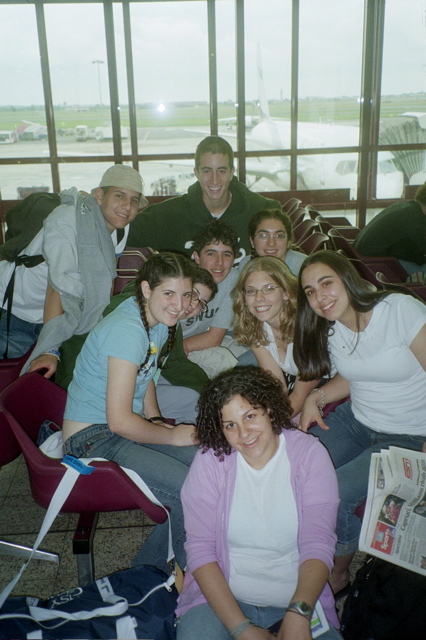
{"x": 53, "y": 352}
{"x": 156, "y": 418}
{"x": 240, "y": 628}
{"x": 301, "y": 608}
{"x": 299, "y": 613}
{"x": 322, "y": 399}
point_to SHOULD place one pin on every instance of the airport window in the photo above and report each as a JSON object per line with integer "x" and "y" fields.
{"x": 143, "y": 82}
{"x": 346, "y": 166}
{"x": 21, "y": 112}
{"x": 329, "y": 78}
{"x": 403, "y": 99}
{"x": 80, "y": 91}
{"x": 169, "y": 41}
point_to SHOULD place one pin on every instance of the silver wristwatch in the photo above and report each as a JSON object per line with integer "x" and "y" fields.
{"x": 302, "y": 608}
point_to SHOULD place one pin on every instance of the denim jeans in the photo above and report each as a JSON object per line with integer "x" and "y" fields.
{"x": 412, "y": 267}
{"x": 22, "y": 335}
{"x": 201, "y": 622}
{"x": 247, "y": 359}
{"x": 162, "y": 467}
{"x": 350, "y": 445}
{"x": 179, "y": 403}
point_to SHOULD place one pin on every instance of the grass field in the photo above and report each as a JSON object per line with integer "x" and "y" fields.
{"x": 184, "y": 115}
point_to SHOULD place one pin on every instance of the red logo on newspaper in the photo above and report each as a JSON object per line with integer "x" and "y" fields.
{"x": 383, "y": 538}
{"x": 408, "y": 470}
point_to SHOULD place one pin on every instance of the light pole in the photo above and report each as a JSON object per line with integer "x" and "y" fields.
{"x": 98, "y": 62}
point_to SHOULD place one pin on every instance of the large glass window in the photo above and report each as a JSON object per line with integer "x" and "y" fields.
{"x": 268, "y": 41}
{"x": 79, "y": 78}
{"x": 22, "y": 117}
{"x": 303, "y": 74}
{"x": 330, "y": 64}
{"x": 329, "y": 83}
{"x": 403, "y": 99}
{"x": 170, "y": 58}
{"x": 19, "y": 180}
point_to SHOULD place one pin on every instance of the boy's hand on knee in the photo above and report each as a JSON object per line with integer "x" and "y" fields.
{"x": 44, "y": 361}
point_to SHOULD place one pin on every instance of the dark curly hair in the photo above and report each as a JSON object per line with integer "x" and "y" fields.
{"x": 202, "y": 276}
{"x": 213, "y": 233}
{"x": 155, "y": 270}
{"x": 257, "y": 386}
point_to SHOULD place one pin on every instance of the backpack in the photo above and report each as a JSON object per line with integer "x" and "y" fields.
{"x": 24, "y": 221}
{"x": 385, "y": 602}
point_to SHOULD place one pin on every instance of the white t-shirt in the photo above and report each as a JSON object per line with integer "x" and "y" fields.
{"x": 387, "y": 382}
{"x": 288, "y": 366}
{"x": 262, "y": 533}
{"x": 31, "y": 284}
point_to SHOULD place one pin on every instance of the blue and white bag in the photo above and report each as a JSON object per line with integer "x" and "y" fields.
{"x": 126, "y": 605}
{"x": 130, "y": 604}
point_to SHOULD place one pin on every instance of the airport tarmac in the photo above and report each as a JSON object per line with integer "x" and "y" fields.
{"x": 160, "y": 177}
{"x": 87, "y": 175}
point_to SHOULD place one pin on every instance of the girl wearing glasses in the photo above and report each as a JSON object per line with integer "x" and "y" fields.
{"x": 264, "y": 316}
{"x": 271, "y": 235}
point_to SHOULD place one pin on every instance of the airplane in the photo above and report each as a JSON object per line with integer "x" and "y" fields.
{"x": 314, "y": 172}
{"x": 32, "y": 130}
{"x": 323, "y": 171}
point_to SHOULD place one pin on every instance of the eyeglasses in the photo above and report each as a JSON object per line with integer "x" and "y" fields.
{"x": 267, "y": 290}
{"x": 195, "y": 299}
{"x": 263, "y": 236}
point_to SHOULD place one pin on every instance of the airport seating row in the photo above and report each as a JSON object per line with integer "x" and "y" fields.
{"x": 384, "y": 272}
{"x": 313, "y": 232}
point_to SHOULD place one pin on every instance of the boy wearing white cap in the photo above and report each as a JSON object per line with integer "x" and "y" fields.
{"x": 81, "y": 241}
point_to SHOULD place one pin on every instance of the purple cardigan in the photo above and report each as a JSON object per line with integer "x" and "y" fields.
{"x": 206, "y": 497}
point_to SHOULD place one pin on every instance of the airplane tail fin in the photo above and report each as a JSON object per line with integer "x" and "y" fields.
{"x": 263, "y": 101}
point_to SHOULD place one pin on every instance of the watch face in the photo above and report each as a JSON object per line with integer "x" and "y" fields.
{"x": 302, "y": 607}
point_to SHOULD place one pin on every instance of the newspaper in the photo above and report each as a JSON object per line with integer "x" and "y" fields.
{"x": 394, "y": 523}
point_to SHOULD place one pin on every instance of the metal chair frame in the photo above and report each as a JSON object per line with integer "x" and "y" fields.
{"x": 108, "y": 488}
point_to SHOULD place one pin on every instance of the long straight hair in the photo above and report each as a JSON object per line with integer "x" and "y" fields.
{"x": 311, "y": 333}
{"x": 160, "y": 267}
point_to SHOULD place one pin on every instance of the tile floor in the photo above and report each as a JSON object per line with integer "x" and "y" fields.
{"x": 117, "y": 538}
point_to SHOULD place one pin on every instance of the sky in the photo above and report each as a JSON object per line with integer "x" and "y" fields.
{"x": 169, "y": 42}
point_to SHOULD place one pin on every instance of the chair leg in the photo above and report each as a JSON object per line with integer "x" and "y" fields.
{"x": 85, "y": 569}
{"x": 82, "y": 546}
{"x": 19, "y": 551}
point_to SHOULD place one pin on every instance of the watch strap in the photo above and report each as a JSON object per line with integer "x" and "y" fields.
{"x": 301, "y": 608}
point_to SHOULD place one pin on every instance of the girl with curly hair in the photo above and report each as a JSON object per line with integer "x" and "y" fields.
{"x": 264, "y": 317}
{"x": 112, "y": 410}
{"x": 260, "y": 503}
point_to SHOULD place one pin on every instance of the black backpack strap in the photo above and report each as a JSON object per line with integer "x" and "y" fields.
{"x": 120, "y": 235}
{"x": 29, "y": 262}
